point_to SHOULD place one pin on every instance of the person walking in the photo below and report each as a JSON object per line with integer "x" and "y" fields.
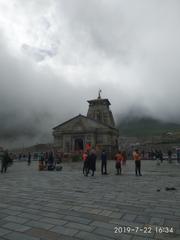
{"x": 118, "y": 159}
{"x": 137, "y": 159}
{"x": 103, "y": 162}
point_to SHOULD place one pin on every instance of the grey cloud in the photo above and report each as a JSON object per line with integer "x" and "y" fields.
{"x": 130, "y": 49}
{"x": 37, "y": 53}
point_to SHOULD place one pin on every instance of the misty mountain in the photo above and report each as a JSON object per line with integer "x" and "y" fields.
{"x": 145, "y": 127}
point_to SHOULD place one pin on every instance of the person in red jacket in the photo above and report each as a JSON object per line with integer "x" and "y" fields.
{"x": 85, "y": 165}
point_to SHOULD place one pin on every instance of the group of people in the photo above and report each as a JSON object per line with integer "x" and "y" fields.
{"x": 121, "y": 158}
{"x": 52, "y": 160}
{"x": 48, "y": 161}
{"x": 89, "y": 159}
{"x": 159, "y": 156}
{"x": 153, "y": 154}
{"x": 89, "y": 162}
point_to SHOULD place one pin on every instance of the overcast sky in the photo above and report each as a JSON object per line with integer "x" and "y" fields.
{"x": 56, "y": 54}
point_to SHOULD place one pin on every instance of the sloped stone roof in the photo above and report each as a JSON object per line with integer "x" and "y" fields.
{"x": 95, "y": 122}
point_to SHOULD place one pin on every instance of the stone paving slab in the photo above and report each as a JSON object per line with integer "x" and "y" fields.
{"x": 15, "y": 219}
{"x": 64, "y": 230}
{"x": 47, "y": 235}
{"x": 19, "y": 236}
{"x": 91, "y": 236}
{"x": 53, "y": 221}
{"x": 78, "y": 219}
{"x": 66, "y": 205}
{"x": 40, "y": 225}
{"x": 16, "y": 227}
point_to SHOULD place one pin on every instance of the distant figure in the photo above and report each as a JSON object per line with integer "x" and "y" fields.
{"x": 103, "y": 162}
{"x": 157, "y": 156}
{"x": 46, "y": 158}
{"x": 143, "y": 153}
{"x": 137, "y": 159}
{"x": 29, "y": 159}
{"x": 169, "y": 156}
{"x": 124, "y": 157}
{"x": 41, "y": 161}
{"x": 118, "y": 159}
{"x": 51, "y": 161}
{"x": 58, "y": 162}
{"x": 92, "y": 161}
{"x": 152, "y": 154}
{"x": 5, "y": 161}
{"x": 85, "y": 163}
{"x": 20, "y": 156}
{"x": 161, "y": 156}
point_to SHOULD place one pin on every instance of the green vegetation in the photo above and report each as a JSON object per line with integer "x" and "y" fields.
{"x": 76, "y": 158}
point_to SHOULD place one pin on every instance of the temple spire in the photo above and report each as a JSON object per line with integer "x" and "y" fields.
{"x": 99, "y": 110}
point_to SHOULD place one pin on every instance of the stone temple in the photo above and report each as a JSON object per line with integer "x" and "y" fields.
{"x": 96, "y": 130}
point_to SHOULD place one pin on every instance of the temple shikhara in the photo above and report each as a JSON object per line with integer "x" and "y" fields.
{"x": 96, "y": 130}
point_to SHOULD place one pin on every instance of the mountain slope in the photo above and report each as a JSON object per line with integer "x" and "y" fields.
{"x": 145, "y": 127}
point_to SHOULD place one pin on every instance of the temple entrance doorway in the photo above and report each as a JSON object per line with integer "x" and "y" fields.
{"x": 78, "y": 144}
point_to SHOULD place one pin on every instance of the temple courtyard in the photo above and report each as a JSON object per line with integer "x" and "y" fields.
{"x": 66, "y": 205}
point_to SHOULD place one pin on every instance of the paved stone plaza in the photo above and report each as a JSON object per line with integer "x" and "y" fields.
{"x": 66, "y": 205}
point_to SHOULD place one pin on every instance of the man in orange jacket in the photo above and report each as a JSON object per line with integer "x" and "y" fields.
{"x": 137, "y": 159}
